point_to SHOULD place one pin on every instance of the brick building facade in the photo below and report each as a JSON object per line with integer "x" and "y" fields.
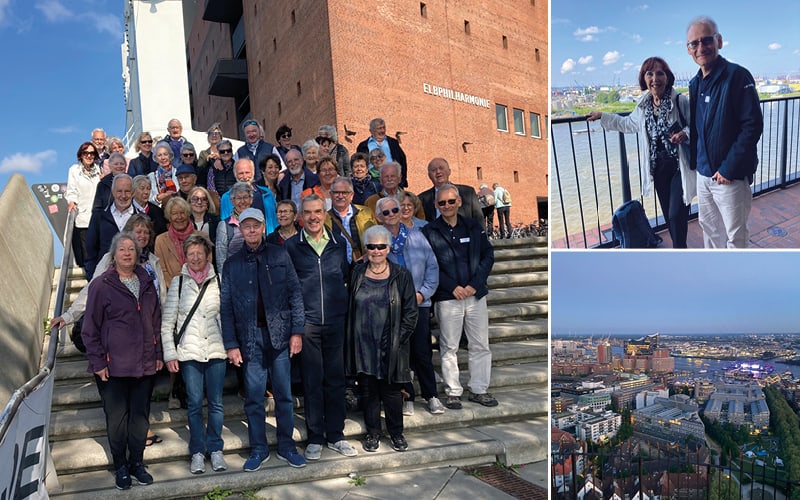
{"x": 442, "y": 74}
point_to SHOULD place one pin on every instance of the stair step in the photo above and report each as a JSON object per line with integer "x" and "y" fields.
{"x": 521, "y": 265}
{"x": 89, "y": 453}
{"x": 517, "y": 279}
{"x": 459, "y": 447}
{"x": 523, "y": 310}
{"x": 516, "y": 294}
{"x": 522, "y": 252}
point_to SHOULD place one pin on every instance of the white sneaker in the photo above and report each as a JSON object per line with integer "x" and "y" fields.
{"x": 218, "y": 461}
{"x": 435, "y": 406}
{"x": 343, "y": 447}
{"x": 408, "y": 408}
{"x": 198, "y": 465}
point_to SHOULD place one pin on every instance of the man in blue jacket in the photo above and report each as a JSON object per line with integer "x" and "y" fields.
{"x": 262, "y": 328}
{"x": 726, "y": 124}
{"x": 465, "y": 260}
{"x": 321, "y": 263}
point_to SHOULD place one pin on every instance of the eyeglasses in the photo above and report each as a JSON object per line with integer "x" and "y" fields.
{"x": 225, "y": 151}
{"x": 285, "y": 212}
{"x": 197, "y": 199}
{"x": 377, "y": 246}
{"x": 451, "y": 201}
{"x": 187, "y": 155}
{"x": 373, "y": 158}
{"x": 705, "y": 41}
{"x": 243, "y": 198}
{"x": 286, "y": 136}
{"x": 390, "y": 211}
{"x": 215, "y": 134}
{"x": 340, "y": 193}
{"x": 146, "y": 141}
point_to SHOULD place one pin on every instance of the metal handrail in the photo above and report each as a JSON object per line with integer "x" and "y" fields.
{"x": 31, "y": 385}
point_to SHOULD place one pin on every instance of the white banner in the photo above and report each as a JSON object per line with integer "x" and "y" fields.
{"x": 23, "y": 452}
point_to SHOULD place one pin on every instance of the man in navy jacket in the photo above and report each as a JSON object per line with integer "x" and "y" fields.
{"x": 726, "y": 124}
{"x": 106, "y": 223}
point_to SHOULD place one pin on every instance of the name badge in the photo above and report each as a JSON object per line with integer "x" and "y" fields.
{"x": 708, "y": 98}
{"x": 464, "y": 240}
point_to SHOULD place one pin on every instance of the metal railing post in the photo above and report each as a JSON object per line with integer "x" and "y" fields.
{"x": 625, "y": 169}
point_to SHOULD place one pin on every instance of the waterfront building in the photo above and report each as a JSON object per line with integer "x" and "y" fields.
{"x": 703, "y": 390}
{"x": 465, "y": 80}
{"x": 604, "y": 353}
{"x": 740, "y": 404}
{"x": 674, "y": 418}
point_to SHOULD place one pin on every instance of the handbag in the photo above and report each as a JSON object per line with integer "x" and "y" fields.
{"x": 177, "y": 334}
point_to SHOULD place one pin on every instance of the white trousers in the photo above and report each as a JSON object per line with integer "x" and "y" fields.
{"x": 723, "y": 210}
{"x": 472, "y": 316}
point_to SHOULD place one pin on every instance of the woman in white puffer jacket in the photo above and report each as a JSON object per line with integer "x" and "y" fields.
{"x": 199, "y": 354}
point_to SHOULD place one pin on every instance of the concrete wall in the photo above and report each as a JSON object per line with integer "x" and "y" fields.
{"x": 26, "y": 268}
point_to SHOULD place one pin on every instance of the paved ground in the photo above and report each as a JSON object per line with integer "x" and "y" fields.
{"x": 445, "y": 483}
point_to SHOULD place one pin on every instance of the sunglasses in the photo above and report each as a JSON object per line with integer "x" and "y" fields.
{"x": 286, "y": 136}
{"x": 373, "y": 158}
{"x": 377, "y": 246}
{"x": 225, "y": 151}
{"x": 187, "y": 155}
{"x": 197, "y": 199}
{"x": 706, "y": 41}
{"x": 88, "y": 153}
{"x": 390, "y": 211}
{"x": 250, "y": 122}
{"x": 451, "y": 201}
{"x": 143, "y": 141}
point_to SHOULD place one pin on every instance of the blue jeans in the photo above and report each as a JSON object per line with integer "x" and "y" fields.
{"x": 267, "y": 362}
{"x": 194, "y": 374}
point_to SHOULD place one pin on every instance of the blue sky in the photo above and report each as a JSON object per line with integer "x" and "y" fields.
{"x": 604, "y": 42}
{"x": 608, "y": 292}
{"x": 62, "y": 78}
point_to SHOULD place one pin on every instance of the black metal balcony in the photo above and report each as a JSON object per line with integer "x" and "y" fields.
{"x": 593, "y": 171}
{"x": 229, "y": 78}
{"x": 222, "y": 11}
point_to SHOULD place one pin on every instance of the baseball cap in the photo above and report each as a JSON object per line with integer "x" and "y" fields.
{"x": 185, "y": 169}
{"x": 252, "y": 213}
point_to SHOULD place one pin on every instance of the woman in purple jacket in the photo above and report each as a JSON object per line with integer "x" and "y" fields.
{"x": 122, "y": 333}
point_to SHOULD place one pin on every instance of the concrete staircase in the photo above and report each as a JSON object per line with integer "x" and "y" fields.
{"x": 515, "y": 432}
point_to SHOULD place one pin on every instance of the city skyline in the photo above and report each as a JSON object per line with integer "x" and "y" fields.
{"x": 641, "y": 292}
{"x": 604, "y": 43}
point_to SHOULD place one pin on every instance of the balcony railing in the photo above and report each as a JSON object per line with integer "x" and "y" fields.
{"x": 593, "y": 172}
{"x": 666, "y": 476}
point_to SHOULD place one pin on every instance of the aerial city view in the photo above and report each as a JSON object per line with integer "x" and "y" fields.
{"x": 668, "y": 375}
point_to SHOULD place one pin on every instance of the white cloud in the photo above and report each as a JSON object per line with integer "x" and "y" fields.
{"x": 587, "y": 34}
{"x": 54, "y": 11}
{"x": 3, "y": 7}
{"x": 641, "y": 8}
{"x": 611, "y": 57}
{"x": 628, "y": 65}
{"x": 589, "y": 69}
{"x": 585, "y": 59}
{"x": 67, "y": 129}
{"x": 636, "y": 38}
{"x": 774, "y": 46}
{"x": 27, "y": 162}
{"x": 567, "y": 66}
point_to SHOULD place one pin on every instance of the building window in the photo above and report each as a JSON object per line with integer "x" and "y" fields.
{"x": 502, "y": 117}
{"x": 274, "y": 45}
{"x": 516, "y": 176}
{"x": 259, "y": 67}
{"x": 519, "y": 122}
{"x": 423, "y": 10}
{"x": 466, "y": 27}
{"x": 535, "y": 132}
{"x": 505, "y": 42}
{"x": 299, "y": 89}
{"x": 255, "y": 10}
{"x": 479, "y": 173}
{"x": 536, "y": 52}
{"x": 294, "y": 18}
{"x": 280, "y": 108}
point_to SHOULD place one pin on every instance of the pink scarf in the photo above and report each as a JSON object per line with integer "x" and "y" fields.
{"x": 178, "y": 238}
{"x": 201, "y": 276}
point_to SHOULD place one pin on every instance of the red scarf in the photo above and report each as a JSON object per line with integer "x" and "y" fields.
{"x": 178, "y": 238}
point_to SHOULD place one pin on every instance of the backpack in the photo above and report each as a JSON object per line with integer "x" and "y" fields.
{"x": 487, "y": 200}
{"x": 506, "y": 197}
{"x": 632, "y": 228}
